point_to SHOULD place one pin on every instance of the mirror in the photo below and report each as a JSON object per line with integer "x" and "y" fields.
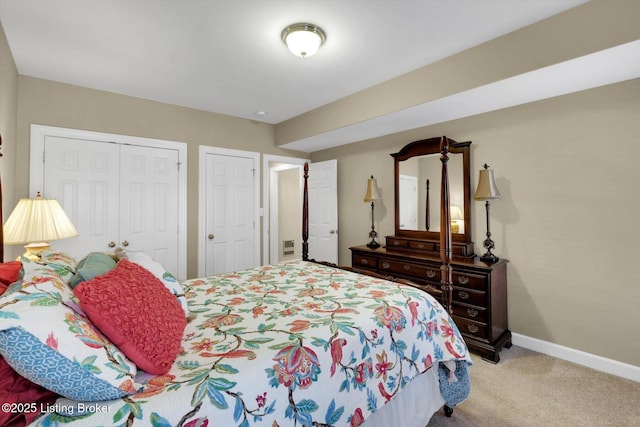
{"x": 419, "y": 193}
{"x": 418, "y": 169}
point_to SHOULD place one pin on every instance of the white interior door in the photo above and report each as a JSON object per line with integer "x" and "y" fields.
{"x": 323, "y": 211}
{"x": 83, "y": 176}
{"x": 149, "y": 202}
{"x": 229, "y": 214}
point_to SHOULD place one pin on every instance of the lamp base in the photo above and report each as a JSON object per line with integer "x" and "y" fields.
{"x": 373, "y": 234}
{"x": 32, "y": 250}
{"x": 489, "y": 258}
{"x": 373, "y": 245}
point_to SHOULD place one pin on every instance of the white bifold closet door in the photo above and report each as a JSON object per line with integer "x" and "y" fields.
{"x": 116, "y": 195}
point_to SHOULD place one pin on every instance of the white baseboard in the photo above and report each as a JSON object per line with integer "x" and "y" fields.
{"x": 593, "y": 361}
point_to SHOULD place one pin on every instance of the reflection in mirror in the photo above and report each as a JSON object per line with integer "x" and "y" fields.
{"x": 417, "y": 175}
{"x": 419, "y": 192}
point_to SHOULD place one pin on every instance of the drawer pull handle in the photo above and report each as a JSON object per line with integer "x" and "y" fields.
{"x": 407, "y": 267}
{"x": 420, "y": 246}
{"x": 385, "y": 264}
{"x": 472, "y": 312}
{"x": 472, "y": 328}
{"x": 431, "y": 274}
{"x": 396, "y": 243}
{"x": 463, "y": 295}
{"x": 463, "y": 280}
{"x": 364, "y": 262}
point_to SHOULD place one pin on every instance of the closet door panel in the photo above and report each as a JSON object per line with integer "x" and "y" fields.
{"x": 149, "y": 202}
{"x": 83, "y": 176}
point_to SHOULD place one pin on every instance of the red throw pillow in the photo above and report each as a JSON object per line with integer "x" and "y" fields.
{"x": 9, "y": 272}
{"x": 137, "y": 313}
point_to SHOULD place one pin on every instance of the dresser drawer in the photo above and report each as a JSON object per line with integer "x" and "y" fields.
{"x": 363, "y": 261}
{"x": 478, "y": 314}
{"x": 469, "y": 327}
{"x": 423, "y": 246}
{"x": 468, "y": 296}
{"x": 394, "y": 242}
{"x": 424, "y": 272}
{"x": 471, "y": 281}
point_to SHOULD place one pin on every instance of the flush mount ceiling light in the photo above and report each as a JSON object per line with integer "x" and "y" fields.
{"x": 303, "y": 40}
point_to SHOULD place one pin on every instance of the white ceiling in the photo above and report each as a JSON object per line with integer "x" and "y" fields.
{"x": 226, "y": 56}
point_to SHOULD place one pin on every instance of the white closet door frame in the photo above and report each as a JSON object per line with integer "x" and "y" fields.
{"x": 202, "y": 154}
{"x": 36, "y": 177}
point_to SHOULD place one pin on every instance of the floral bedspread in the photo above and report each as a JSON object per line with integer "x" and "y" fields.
{"x": 293, "y": 344}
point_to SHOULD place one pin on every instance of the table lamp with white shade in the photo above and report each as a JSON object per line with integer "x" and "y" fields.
{"x": 35, "y": 222}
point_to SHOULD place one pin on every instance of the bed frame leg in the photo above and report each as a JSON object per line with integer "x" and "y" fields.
{"x": 448, "y": 411}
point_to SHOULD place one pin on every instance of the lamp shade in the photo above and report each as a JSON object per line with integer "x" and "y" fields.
{"x": 456, "y": 213}
{"x": 372, "y": 191}
{"x": 487, "y": 189}
{"x": 37, "y": 220}
{"x": 303, "y": 40}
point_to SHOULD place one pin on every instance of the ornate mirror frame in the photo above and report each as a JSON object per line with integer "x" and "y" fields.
{"x": 428, "y": 241}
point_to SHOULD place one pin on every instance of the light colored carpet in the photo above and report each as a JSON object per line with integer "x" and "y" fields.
{"x": 532, "y": 389}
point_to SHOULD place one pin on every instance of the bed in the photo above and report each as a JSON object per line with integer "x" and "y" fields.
{"x": 114, "y": 339}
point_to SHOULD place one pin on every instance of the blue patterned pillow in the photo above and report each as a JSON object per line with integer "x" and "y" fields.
{"x": 43, "y": 339}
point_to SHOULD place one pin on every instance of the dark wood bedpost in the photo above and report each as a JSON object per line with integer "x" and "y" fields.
{"x": 446, "y": 282}
{"x": 305, "y": 215}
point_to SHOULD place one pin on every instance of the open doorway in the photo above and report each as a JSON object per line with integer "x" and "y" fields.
{"x": 282, "y": 202}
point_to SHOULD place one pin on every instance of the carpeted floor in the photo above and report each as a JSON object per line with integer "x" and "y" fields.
{"x": 529, "y": 389}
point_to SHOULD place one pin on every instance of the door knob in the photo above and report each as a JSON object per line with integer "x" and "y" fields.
{"x": 125, "y": 243}
{"x": 112, "y": 244}
{"x": 332, "y": 231}
{"x": 210, "y": 236}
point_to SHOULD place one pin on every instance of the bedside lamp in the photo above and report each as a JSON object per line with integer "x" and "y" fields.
{"x": 36, "y": 222}
{"x": 487, "y": 191}
{"x": 456, "y": 217}
{"x": 372, "y": 196}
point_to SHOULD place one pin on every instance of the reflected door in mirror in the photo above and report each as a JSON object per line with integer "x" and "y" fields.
{"x": 408, "y": 202}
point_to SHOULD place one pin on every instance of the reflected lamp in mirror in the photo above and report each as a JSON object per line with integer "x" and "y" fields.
{"x": 37, "y": 222}
{"x": 372, "y": 196}
{"x": 486, "y": 192}
{"x": 456, "y": 218}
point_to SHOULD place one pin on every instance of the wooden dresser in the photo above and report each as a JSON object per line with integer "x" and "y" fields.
{"x": 479, "y": 292}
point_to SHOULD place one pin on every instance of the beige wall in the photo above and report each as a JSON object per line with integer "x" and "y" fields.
{"x": 568, "y": 221}
{"x": 8, "y": 117}
{"x": 50, "y": 103}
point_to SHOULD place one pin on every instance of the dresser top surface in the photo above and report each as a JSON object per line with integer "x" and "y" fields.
{"x": 474, "y": 262}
